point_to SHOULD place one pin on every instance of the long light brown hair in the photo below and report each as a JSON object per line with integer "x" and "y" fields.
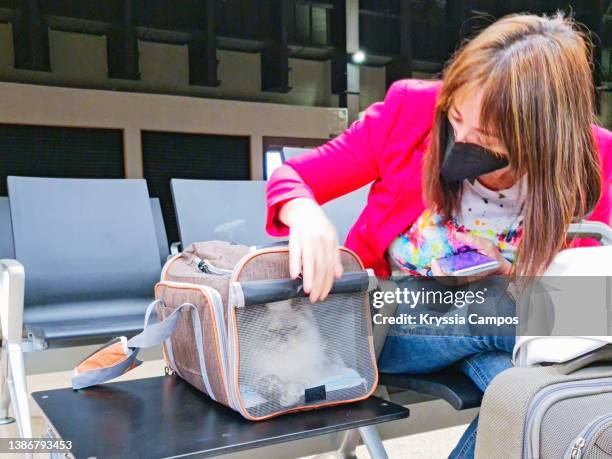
{"x": 538, "y": 99}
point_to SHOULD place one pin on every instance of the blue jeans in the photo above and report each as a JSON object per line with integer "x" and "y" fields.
{"x": 481, "y": 358}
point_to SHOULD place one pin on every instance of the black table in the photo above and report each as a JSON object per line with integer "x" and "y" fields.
{"x": 164, "y": 416}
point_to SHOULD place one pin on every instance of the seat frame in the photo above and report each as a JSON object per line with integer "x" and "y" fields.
{"x": 13, "y": 385}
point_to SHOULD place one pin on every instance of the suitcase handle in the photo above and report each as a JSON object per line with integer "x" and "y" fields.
{"x": 603, "y": 354}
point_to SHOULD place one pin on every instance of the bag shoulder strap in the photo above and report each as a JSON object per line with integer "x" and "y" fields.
{"x": 118, "y": 356}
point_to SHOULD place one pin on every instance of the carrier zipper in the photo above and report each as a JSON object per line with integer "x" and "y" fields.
{"x": 579, "y": 445}
{"x": 206, "y": 267}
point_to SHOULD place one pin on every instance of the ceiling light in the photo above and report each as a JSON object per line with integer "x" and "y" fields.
{"x": 359, "y": 57}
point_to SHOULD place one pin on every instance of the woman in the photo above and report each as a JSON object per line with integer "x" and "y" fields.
{"x": 501, "y": 155}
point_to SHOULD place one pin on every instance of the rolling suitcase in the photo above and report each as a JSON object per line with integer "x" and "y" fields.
{"x": 558, "y": 411}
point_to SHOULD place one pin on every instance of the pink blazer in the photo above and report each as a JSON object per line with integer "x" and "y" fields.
{"x": 386, "y": 147}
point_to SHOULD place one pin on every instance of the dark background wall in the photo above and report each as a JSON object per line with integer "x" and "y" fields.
{"x": 169, "y": 155}
{"x": 289, "y": 51}
{"x": 59, "y": 152}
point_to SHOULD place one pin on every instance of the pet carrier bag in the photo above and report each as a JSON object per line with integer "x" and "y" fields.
{"x": 236, "y": 326}
{"x": 558, "y": 411}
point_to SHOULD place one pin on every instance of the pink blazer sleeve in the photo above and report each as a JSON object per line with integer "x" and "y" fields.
{"x": 342, "y": 165}
{"x": 603, "y": 209}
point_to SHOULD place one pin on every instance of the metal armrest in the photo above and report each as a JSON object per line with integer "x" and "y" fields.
{"x": 175, "y": 248}
{"x": 591, "y": 229}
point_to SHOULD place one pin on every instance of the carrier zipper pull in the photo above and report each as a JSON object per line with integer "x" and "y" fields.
{"x": 168, "y": 371}
{"x": 577, "y": 448}
{"x": 206, "y": 267}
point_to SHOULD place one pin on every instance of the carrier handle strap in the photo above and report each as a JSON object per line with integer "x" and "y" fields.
{"x": 118, "y": 356}
{"x": 152, "y": 335}
{"x": 268, "y": 291}
{"x": 603, "y": 354}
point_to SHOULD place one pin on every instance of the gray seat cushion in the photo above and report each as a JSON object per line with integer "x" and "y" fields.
{"x": 86, "y": 321}
{"x": 79, "y": 331}
{"x": 105, "y": 320}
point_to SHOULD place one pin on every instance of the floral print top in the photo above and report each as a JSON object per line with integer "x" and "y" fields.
{"x": 493, "y": 215}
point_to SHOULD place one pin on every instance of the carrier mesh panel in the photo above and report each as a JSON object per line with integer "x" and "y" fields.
{"x": 294, "y": 353}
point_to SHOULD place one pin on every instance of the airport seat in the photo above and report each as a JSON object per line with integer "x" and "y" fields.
{"x": 6, "y": 230}
{"x": 91, "y": 254}
{"x": 88, "y": 259}
{"x": 450, "y": 385}
{"x": 344, "y": 211}
{"x": 228, "y": 210}
{"x": 59, "y": 329}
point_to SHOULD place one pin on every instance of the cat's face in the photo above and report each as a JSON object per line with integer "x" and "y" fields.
{"x": 287, "y": 325}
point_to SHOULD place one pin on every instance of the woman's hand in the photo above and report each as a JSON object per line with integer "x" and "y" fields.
{"x": 482, "y": 245}
{"x": 313, "y": 246}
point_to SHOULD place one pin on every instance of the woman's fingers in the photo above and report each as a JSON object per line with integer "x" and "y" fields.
{"x": 308, "y": 269}
{"x": 295, "y": 257}
{"x": 313, "y": 247}
{"x": 324, "y": 266}
{"x": 328, "y": 278}
{"x": 488, "y": 248}
{"x": 318, "y": 274}
{"x": 483, "y": 245}
{"x": 437, "y": 270}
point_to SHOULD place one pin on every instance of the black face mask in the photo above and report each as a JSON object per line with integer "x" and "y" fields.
{"x": 464, "y": 160}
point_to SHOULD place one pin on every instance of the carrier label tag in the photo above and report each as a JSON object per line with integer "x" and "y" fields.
{"x": 315, "y": 394}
